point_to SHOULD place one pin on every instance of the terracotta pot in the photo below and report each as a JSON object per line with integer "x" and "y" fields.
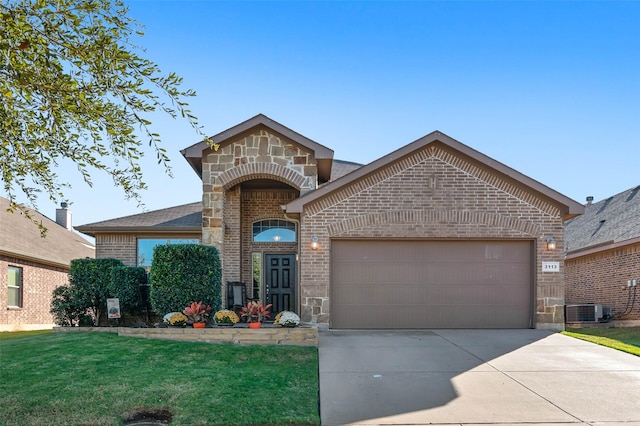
{"x": 255, "y": 324}
{"x": 199, "y": 325}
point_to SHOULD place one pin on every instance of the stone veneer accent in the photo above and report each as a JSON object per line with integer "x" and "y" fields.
{"x": 267, "y": 335}
{"x": 260, "y": 155}
{"x": 433, "y": 193}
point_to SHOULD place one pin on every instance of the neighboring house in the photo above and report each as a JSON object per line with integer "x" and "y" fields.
{"x": 31, "y": 267}
{"x": 603, "y": 255}
{"x": 433, "y": 235}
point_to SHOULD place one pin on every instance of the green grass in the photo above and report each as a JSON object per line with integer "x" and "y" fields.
{"x": 99, "y": 378}
{"x": 626, "y": 339}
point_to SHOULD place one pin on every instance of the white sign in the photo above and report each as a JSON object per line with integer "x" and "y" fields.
{"x": 550, "y": 266}
{"x": 113, "y": 308}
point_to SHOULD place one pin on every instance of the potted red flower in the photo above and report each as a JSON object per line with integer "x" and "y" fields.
{"x": 198, "y": 314}
{"x": 254, "y": 312}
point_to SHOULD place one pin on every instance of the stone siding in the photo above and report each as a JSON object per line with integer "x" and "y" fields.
{"x": 602, "y": 278}
{"x": 432, "y": 194}
{"x": 298, "y": 336}
{"x": 260, "y": 155}
{"x": 38, "y": 283}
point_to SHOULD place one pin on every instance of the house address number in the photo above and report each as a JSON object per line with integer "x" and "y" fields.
{"x": 550, "y": 266}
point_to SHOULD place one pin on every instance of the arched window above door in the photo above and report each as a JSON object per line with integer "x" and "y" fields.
{"x": 274, "y": 231}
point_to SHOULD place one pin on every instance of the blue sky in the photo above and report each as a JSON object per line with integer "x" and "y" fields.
{"x": 551, "y": 89}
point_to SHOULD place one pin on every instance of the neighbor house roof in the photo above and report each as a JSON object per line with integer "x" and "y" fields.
{"x": 615, "y": 220}
{"x": 569, "y": 208}
{"x": 322, "y": 154}
{"x": 21, "y": 238}
{"x": 184, "y": 218}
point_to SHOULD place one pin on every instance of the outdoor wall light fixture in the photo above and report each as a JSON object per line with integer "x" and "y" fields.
{"x": 551, "y": 243}
{"x": 276, "y": 238}
{"x": 314, "y": 243}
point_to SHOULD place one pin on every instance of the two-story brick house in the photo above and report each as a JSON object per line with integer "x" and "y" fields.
{"x": 433, "y": 235}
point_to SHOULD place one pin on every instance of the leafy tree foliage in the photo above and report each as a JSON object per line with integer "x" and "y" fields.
{"x": 73, "y": 87}
{"x": 184, "y": 273}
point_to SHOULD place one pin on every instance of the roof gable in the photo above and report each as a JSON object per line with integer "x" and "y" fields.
{"x": 323, "y": 155}
{"x": 569, "y": 208}
{"x": 184, "y": 218}
{"x": 21, "y": 238}
{"x": 613, "y": 220}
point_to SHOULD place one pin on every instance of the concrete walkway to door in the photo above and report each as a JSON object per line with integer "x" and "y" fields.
{"x": 473, "y": 377}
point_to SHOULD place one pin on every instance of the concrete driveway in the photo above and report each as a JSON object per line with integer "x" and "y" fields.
{"x": 474, "y": 377}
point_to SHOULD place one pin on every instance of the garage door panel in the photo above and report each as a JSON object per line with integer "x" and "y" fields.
{"x": 428, "y": 284}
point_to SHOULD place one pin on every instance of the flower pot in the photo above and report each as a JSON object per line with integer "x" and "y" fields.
{"x": 255, "y": 324}
{"x": 199, "y": 325}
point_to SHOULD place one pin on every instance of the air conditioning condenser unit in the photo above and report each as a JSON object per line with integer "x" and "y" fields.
{"x": 590, "y": 312}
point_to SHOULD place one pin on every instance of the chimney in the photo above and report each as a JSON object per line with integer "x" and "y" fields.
{"x": 63, "y": 217}
{"x": 589, "y": 200}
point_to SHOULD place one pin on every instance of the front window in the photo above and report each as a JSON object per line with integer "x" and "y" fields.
{"x": 14, "y": 296}
{"x": 274, "y": 231}
{"x": 146, "y": 245}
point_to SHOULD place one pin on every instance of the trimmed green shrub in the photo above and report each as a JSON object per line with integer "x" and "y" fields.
{"x": 184, "y": 273}
{"x": 89, "y": 281}
{"x": 65, "y": 312}
{"x": 125, "y": 285}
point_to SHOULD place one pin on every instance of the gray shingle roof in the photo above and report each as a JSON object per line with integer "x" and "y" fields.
{"x": 187, "y": 217}
{"x": 609, "y": 221}
{"x": 340, "y": 168}
{"x": 20, "y": 238}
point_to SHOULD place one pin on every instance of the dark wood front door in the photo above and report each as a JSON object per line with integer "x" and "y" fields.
{"x": 280, "y": 280}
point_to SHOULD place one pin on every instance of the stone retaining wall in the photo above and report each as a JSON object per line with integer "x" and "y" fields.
{"x": 298, "y": 336}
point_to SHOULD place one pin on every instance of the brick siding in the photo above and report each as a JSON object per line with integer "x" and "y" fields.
{"x": 261, "y": 205}
{"x": 602, "y": 278}
{"x": 431, "y": 194}
{"x": 125, "y": 246}
{"x": 38, "y": 283}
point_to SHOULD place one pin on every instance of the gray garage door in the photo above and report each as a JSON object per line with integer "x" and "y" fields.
{"x": 431, "y": 284}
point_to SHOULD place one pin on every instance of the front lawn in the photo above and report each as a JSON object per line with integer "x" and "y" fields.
{"x": 100, "y": 378}
{"x": 625, "y": 339}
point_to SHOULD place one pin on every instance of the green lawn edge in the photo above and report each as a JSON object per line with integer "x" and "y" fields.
{"x": 623, "y": 339}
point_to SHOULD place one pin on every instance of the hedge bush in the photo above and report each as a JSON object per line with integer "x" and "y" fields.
{"x": 66, "y": 311}
{"x": 183, "y": 273}
{"x": 89, "y": 281}
{"x": 125, "y": 285}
